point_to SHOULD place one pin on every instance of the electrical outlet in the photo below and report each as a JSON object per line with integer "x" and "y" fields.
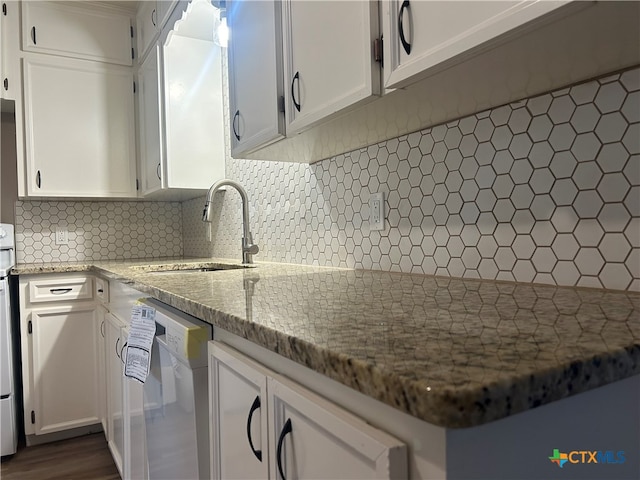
{"x": 62, "y": 236}
{"x": 376, "y": 211}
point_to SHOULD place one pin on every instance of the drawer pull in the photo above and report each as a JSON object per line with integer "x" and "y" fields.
{"x": 285, "y": 430}
{"x": 117, "y": 342}
{"x": 102, "y": 329}
{"x": 254, "y": 407}
{"x": 100, "y": 290}
{"x": 60, "y": 291}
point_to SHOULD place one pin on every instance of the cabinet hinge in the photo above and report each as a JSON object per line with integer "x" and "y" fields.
{"x": 281, "y": 104}
{"x": 30, "y": 327}
{"x": 33, "y": 417}
{"x": 378, "y": 52}
{"x": 4, "y": 9}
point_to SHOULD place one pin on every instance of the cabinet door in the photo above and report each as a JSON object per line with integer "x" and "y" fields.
{"x": 326, "y": 73}
{"x": 149, "y": 122}
{"x": 115, "y": 413}
{"x": 65, "y": 368}
{"x": 313, "y": 438}
{"x": 79, "y": 120}
{"x": 194, "y": 121}
{"x": 255, "y": 74}
{"x": 76, "y": 31}
{"x": 422, "y": 38}
{"x": 147, "y": 26}
{"x": 10, "y": 88}
{"x": 238, "y": 410}
{"x": 102, "y": 369}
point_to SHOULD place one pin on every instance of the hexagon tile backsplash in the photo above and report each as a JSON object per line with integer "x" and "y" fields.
{"x": 545, "y": 190}
{"x": 97, "y": 230}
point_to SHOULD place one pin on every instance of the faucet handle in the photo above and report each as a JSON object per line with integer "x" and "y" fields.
{"x": 252, "y": 248}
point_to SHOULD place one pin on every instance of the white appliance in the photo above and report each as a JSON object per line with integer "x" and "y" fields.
{"x": 8, "y": 430}
{"x": 176, "y": 397}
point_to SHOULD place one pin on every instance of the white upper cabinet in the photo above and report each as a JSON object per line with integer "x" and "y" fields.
{"x": 149, "y": 122}
{"x": 255, "y": 74}
{"x": 181, "y": 124}
{"x": 147, "y": 27}
{"x": 80, "y": 141}
{"x": 10, "y": 51}
{"x": 424, "y": 37}
{"x": 329, "y": 64}
{"x": 77, "y": 31}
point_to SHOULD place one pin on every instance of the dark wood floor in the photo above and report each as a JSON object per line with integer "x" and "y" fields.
{"x": 82, "y": 458}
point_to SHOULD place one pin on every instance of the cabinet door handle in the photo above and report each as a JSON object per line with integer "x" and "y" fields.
{"x": 117, "y": 342}
{"x": 33, "y": 35}
{"x": 6, "y": 83}
{"x": 233, "y": 124}
{"x": 285, "y": 430}
{"x": 154, "y": 17}
{"x": 59, "y": 291}
{"x": 122, "y": 350}
{"x": 158, "y": 172}
{"x": 254, "y": 407}
{"x": 102, "y": 329}
{"x": 293, "y": 95}
{"x": 38, "y": 179}
{"x": 406, "y": 45}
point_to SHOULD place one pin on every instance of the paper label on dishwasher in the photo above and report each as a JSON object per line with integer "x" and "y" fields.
{"x": 138, "y": 353}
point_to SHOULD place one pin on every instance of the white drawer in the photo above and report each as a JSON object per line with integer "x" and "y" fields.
{"x": 102, "y": 290}
{"x": 60, "y": 289}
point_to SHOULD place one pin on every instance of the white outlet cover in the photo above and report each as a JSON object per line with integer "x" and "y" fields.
{"x": 376, "y": 211}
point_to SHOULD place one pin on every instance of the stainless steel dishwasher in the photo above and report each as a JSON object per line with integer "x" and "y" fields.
{"x": 176, "y": 396}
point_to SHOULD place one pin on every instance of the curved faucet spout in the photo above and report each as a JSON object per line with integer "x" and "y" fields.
{"x": 248, "y": 247}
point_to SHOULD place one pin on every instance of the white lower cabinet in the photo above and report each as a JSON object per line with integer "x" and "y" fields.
{"x": 115, "y": 411}
{"x": 266, "y": 426}
{"x": 60, "y": 359}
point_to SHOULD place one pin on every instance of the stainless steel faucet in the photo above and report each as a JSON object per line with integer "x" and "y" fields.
{"x": 248, "y": 247}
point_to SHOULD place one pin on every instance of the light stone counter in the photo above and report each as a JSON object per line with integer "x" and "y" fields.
{"x": 452, "y": 352}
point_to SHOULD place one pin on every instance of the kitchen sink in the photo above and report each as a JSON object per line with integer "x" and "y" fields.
{"x": 187, "y": 268}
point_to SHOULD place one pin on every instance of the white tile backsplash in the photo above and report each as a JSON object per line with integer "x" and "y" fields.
{"x": 97, "y": 230}
{"x": 543, "y": 190}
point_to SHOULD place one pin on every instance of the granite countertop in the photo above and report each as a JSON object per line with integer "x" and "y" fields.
{"x": 452, "y": 352}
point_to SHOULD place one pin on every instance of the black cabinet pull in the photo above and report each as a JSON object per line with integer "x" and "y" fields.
{"x": 6, "y": 83}
{"x": 285, "y": 430}
{"x": 293, "y": 95}
{"x": 122, "y": 350}
{"x": 406, "y": 45}
{"x": 102, "y": 329}
{"x": 117, "y": 352}
{"x": 254, "y": 407}
{"x": 33, "y": 35}
{"x": 60, "y": 291}
{"x": 38, "y": 182}
{"x": 4, "y": 9}
{"x": 158, "y": 172}
{"x": 154, "y": 17}
{"x": 233, "y": 124}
